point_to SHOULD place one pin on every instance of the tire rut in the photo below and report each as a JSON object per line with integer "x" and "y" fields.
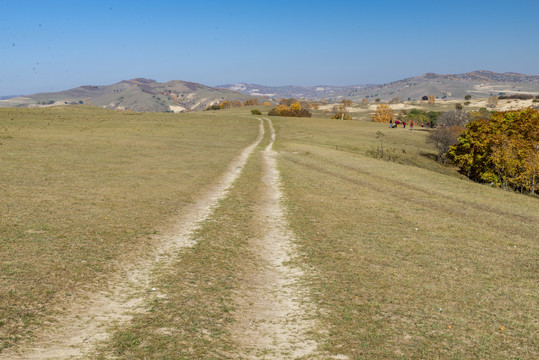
{"x": 273, "y": 316}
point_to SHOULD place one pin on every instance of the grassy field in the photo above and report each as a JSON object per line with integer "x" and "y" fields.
{"x": 84, "y": 188}
{"x": 404, "y": 259}
{"x": 409, "y": 262}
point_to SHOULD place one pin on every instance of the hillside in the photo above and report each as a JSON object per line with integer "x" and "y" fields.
{"x": 479, "y": 83}
{"x": 301, "y": 92}
{"x": 136, "y": 94}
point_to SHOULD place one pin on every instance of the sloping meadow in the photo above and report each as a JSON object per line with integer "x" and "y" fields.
{"x": 408, "y": 262}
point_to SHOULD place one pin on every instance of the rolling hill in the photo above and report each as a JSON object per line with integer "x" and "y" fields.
{"x": 136, "y": 94}
{"x": 450, "y": 86}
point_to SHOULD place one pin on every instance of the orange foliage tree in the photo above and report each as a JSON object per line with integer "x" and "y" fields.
{"x": 432, "y": 99}
{"x": 383, "y": 114}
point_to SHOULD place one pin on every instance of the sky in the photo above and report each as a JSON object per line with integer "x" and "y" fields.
{"x": 57, "y": 45}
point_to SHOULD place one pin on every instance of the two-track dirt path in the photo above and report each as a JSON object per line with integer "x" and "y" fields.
{"x": 273, "y": 319}
{"x": 87, "y": 321}
{"x": 273, "y": 313}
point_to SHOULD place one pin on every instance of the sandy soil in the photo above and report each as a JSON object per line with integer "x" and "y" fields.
{"x": 87, "y": 321}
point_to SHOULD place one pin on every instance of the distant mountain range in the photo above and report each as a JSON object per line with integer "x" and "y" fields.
{"x": 178, "y": 96}
{"x": 452, "y": 86}
{"x": 136, "y": 94}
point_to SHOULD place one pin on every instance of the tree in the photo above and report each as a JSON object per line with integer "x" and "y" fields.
{"x": 267, "y": 103}
{"x": 382, "y": 114}
{"x": 502, "y": 150}
{"x": 295, "y": 106}
{"x": 458, "y": 106}
{"x": 225, "y": 104}
{"x": 467, "y": 97}
{"x": 251, "y": 102}
{"x": 346, "y": 102}
{"x": 432, "y": 99}
{"x": 444, "y": 136}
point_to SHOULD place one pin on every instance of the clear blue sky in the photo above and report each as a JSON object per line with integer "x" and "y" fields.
{"x": 55, "y": 45}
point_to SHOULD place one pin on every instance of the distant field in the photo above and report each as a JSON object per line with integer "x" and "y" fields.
{"x": 402, "y": 259}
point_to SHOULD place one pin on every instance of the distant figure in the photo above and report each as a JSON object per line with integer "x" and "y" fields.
{"x": 404, "y": 124}
{"x": 411, "y": 126}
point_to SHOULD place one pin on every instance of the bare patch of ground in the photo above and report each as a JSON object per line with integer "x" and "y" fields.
{"x": 87, "y": 320}
{"x": 273, "y": 321}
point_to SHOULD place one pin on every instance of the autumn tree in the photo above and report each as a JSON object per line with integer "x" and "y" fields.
{"x": 432, "y": 100}
{"x": 294, "y": 110}
{"x": 502, "y": 150}
{"x": 315, "y": 105}
{"x": 267, "y": 103}
{"x": 383, "y": 114}
{"x": 346, "y": 102}
{"x": 225, "y": 104}
{"x": 251, "y": 102}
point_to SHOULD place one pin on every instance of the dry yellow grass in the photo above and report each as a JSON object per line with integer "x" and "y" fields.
{"x": 408, "y": 263}
{"x": 83, "y": 187}
{"x": 405, "y": 258}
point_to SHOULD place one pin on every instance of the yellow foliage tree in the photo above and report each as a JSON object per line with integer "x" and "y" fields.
{"x": 295, "y": 106}
{"x": 225, "y": 105}
{"x": 432, "y": 99}
{"x": 383, "y": 114}
{"x": 282, "y": 108}
{"x": 267, "y": 103}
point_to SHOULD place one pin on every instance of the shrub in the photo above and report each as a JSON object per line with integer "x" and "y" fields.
{"x": 516, "y": 97}
{"x": 292, "y": 111}
{"x": 214, "y": 107}
{"x": 467, "y": 97}
{"x": 342, "y": 116}
{"x": 256, "y": 112}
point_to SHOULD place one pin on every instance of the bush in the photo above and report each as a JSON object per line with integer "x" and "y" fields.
{"x": 294, "y": 111}
{"x": 214, "y": 107}
{"x": 342, "y": 116}
{"x": 516, "y": 97}
{"x": 467, "y": 97}
{"x": 256, "y": 112}
{"x": 467, "y": 103}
